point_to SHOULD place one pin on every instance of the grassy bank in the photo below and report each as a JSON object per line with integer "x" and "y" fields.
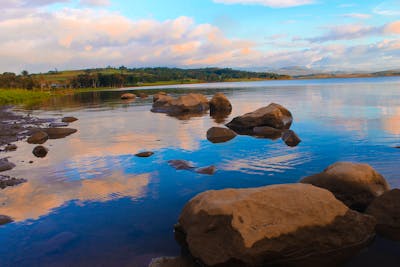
{"x": 21, "y": 96}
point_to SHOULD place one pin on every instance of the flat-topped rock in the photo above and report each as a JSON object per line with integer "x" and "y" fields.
{"x": 190, "y": 103}
{"x": 280, "y": 225}
{"x": 386, "y": 210}
{"x": 57, "y": 133}
{"x": 69, "y": 119}
{"x": 273, "y": 115}
{"x": 356, "y": 184}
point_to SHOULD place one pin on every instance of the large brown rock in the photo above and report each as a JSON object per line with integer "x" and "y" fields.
{"x": 195, "y": 103}
{"x": 386, "y": 210}
{"x": 39, "y": 137}
{"x": 220, "y": 135}
{"x": 273, "y": 115}
{"x": 280, "y": 225}
{"x": 57, "y": 133}
{"x": 356, "y": 184}
{"x": 220, "y": 103}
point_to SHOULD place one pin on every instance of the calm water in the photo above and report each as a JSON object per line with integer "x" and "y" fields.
{"x": 91, "y": 202}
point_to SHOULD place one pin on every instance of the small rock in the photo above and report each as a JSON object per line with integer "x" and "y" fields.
{"x": 5, "y": 219}
{"x": 39, "y": 138}
{"x": 386, "y": 210}
{"x": 58, "y": 124}
{"x": 210, "y": 170}
{"x": 57, "y": 133}
{"x": 128, "y": 96}
{"x": 6, "y": 181}
{"x": 10, "y": 147}
{"x": 291, "y": 138}
{"x": 355, "y": 184}
{"x": 30, "y": 162}
{"x": 181, "y": 164}
{"x": 220, "y": 135}
{"x": 145, "y": 154}
{"x": 143, "y": 95}
{"x": 5, "y": 165}
{"x": 220, "y": 103}
{"x": 40, "y": 151}
{"x": 69, "y": 119}
{"x": 267, "y": 132}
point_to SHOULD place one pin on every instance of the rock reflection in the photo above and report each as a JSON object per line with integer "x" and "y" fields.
{"x": 39, "y": 197}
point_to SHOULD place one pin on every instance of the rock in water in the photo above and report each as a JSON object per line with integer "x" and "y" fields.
{"x": 5, "y": 219}
{"x": 38, "y": 138}
{"x": 357, "y": 185}
{"x": 280, "y": 225}
{"x": 69, "y": 119}
{"x": 58, "y": 124}
{"x": 57, "y": 133}
{"x": 190, "y": 103}
{"x": 273, "y": 115}
{"x": 128, "y": 96}
{"x": 181, "y": 164}
{"x": 40, "y": 151}
{"x": 386, "y": 210}
{"x": 220, "y": 103}
{"x": 210, "y": 170}
{"x": 5, "y": 165}
{"x": 6, "y": 181}
{"x": 220, "y": 135}
{"x": 267, "y": 132}
{"x": 144, "y": 154}
{"x": 291, "y": 138}
{"x": 171, "y": 262}
{"x": 143, "y": 95}
{"x": 10, "y": 147}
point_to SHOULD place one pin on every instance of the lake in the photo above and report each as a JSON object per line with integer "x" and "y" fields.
{"x": 91, "y": 202}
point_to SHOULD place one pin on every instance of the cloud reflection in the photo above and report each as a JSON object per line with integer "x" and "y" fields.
{"x": 39, "y": 197}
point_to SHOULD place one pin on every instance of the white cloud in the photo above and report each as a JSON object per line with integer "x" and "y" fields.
{"x": 269, "y": 3}
{"x": 357, "y": 16}
{"x": 95, "y": 2}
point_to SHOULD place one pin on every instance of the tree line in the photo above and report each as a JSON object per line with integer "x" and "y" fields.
{"x": 122, "y": 76}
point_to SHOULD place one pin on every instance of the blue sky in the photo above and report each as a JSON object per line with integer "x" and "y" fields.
{"x": 260, "y": 34}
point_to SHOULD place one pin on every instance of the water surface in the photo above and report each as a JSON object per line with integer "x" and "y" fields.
{"x": 91, "y": 202}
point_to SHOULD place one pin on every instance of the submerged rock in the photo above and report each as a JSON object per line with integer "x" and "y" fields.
{"x": 39, "y": 137}
{"x": 280, "y": 225}
{"x": 220, "y": 104}
{"x": 210, "y": 170}
{"x": 57, "y": 133}
{"x": 128, "y": 96}
{"x": 5, "y": 219}
{"x": 220, "y": 135}
{"x": 356, "y": 184}
{"x": 144, "y": 154}
{"x": 40, "y": 151}
{"x": 273, "y": 115}
{"x": 58, "y": 124}
{"x": 69, "y": 119}
{"x": 267, "y": 132}
{"x": 6, "y": 181}
{"x": 291, "y": 138}
{"x": 181, "y": 164}
{"x": 190, "y": 103}
{"x": 386, "y": 210}
{"x": 5, "y": 165}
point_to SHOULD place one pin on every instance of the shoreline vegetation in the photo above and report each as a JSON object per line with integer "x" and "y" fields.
{"x": 31, "y": 89}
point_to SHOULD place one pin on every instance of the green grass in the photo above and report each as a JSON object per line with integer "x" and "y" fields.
{"x": 21, "y": 96}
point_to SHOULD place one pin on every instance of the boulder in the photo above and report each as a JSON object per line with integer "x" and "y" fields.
{"x": 181, "y": 164}
{"x": 57, "y": 133}
{"x": 220, "y": 135}
{"x": 210, "y": 170}
{"x": 40, "y": 151}
{"x": 386, "y": 210}
{"x": 144, "y": 154}
{"x": 291, "y": 138}
{"x": 273, "y": 115}
{"x": 357, "y": 185}
{"x": 6, "y": 181}
{"x": 69, "y": 119}
{"x": 5, "y": 219}
{"x": 190, "y": 103}
{"x": 39, "y": 137}
{"x": 220, "y": 103}
{"x": 280, "y": 225}
{"x": 267, "y": 132}
{"x": 5, "y": 165}
{"x": 128, "y": 96}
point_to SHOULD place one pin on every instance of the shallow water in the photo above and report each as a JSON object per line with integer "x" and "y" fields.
{"x": 91, "y": 202}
